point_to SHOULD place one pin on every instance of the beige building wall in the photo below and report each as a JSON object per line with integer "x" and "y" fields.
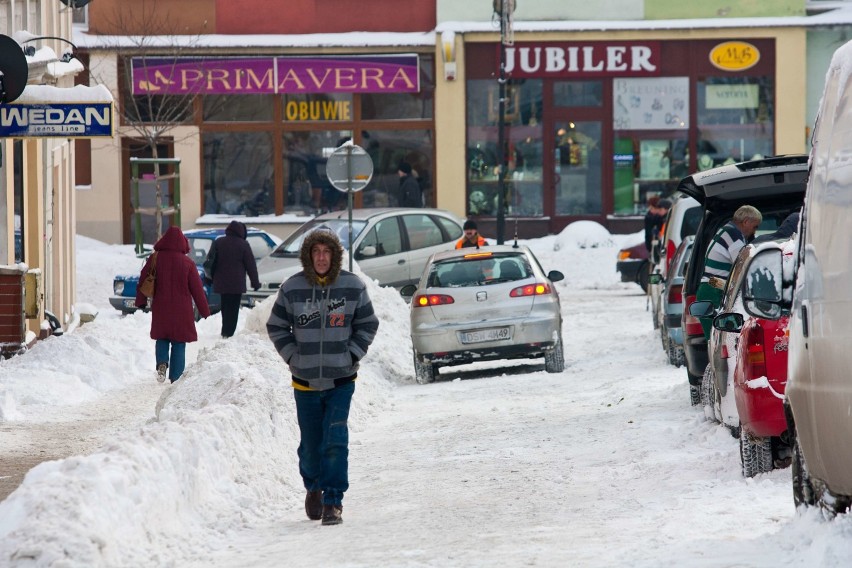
{"x": 790, "y": 110}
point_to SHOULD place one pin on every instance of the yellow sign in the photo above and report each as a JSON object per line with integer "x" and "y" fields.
{"x": 317, "y": 110}
{"x": 734, "y": 56}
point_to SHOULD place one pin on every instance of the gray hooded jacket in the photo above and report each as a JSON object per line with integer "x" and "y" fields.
{"x": 322, "y": 326}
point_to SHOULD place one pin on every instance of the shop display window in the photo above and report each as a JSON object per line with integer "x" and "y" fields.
{"x": 307, "y": 189}
{"x": 735, "y": 120}
{"x": 578, "y": 93}
{"x": 238, "y": 173}
{"x": 238, "y": 108}
{"x": 523, "y": 182}
{"x": 402, "y": 106}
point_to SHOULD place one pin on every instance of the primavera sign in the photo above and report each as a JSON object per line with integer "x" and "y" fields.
{"x": 276, "y": 75}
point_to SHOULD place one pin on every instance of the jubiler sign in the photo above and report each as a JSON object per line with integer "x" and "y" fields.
{"x": 583, "y": 59}
{"x": 274, "y": 75}
{"x": 66, "y": 120}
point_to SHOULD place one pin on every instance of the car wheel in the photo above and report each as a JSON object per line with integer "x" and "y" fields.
{"x": 642, "y": 276}
{"x": 694, "y": 395}
{"x": 708, "y": 394}
{"x": 803, "y": 489}
{"x": 554, "y": 360}
{"x": 755, "y": 455}
{"x": 424, "y": 371}
{"x": 676, "y": 355}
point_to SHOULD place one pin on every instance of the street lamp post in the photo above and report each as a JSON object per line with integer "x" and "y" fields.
{"x": 504, "y": 9}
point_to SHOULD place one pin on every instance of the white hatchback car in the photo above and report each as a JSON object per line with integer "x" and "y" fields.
{"x": 391, "y": 245}
{"x": 484, "y": 304}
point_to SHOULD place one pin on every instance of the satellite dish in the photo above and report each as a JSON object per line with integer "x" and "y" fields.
{"x": 13, "y": 69}
{"x": 75, "y": 3}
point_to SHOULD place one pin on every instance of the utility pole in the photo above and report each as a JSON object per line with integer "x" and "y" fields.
{"x": 504, "y": 10}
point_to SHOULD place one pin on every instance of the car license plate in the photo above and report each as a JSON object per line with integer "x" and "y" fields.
{"x": 483, "y": 335}
{"x": 130, "y": 303}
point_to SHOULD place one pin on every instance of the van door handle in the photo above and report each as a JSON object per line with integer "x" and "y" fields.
{"x": 804, "y": 321}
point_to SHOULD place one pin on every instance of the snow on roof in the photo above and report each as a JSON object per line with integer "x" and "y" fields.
{"x": 83, "y": 39}
{"x": 42, "y": 94}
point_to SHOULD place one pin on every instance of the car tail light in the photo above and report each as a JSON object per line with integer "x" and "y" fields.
{"x": 691, "y": 324}
{"x": 537, "y": 289}
{"x": 624, "y": 254}
{"x": 724, "y": 352}
{"x": 675, "y": 294}
{"x": 670, "y": 252}
{"x": 755, "y": 357}
{"x": 425, "y": 300}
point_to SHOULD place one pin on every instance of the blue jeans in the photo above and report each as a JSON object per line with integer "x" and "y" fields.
{"x": 324, "y": 447}
{"x": 177, "y": 361}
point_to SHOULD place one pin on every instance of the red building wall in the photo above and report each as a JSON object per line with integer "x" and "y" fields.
{"x": 323, "y": 16}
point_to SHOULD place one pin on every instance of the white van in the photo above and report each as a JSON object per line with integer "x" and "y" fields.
{"x": 818, "y": 294}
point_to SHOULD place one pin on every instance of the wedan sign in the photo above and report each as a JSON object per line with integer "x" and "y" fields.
{"x": 276, "y": 75}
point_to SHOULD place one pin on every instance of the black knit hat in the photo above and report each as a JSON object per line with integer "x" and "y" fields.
{"x": 469, "y": 225}
{"x": 405, "y": 167}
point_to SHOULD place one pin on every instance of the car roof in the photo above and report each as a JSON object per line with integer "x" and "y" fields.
{"x": 366, "y": 214}
{"x": 213, "y": 233}
{"x": 492, "y": 249}
{"x": 744, "y": 180}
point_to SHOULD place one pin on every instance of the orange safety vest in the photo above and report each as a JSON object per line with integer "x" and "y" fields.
{"x": 463, "y": 242}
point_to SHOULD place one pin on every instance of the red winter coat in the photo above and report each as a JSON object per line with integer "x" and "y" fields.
{"x": 177, "y": 285}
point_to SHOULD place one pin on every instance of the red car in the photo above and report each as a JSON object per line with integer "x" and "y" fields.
{"x": 743, "y": 385}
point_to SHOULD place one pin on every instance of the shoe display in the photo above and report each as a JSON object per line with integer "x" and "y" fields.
{"x": 313, "y": 505}
{"x": 161, "y": 372}
{"x": 332, "y": 514}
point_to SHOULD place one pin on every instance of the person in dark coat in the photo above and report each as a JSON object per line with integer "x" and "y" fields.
{"x": 409, "y": 189}
{"x": 232, "y": 259}
{"x": 172, "y": 315}
{"x": 784, "y": 231}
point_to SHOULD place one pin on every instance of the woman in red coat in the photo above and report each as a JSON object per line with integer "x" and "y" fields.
{"x": 172, "y": 314}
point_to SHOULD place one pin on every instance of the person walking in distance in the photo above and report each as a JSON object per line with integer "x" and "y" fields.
{"x": 177, "y": 286}
{"x": 229, "y": 261}
{"x": 322, "y": 324}
{"x": 471, "y": 237}
{"x": 409, "y": 189}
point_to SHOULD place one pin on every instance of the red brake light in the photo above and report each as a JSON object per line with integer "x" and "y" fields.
{"x": 675, "y": 294}
{"x": 755, "y": 358}
{"x": 670, "y": 252}
{"x": 691, "y": 324}
{"x": 537, "y": 289}
{"x": 424, "y": 300}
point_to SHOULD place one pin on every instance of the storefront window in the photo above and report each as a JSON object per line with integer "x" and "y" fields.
{"x": 306, "y": 186}
{"x": 578, "y": 167}
{"x": 318, "y": 107}
{"x": 238, "y": 173}
{"x": 578, "y": 93}
{"x": 238, "y": 108}
{"x": 735, "y": 120}
{"x": 523, "y": 134}
{"x": 388, "y": 148}
{"x": 378, "y": 106}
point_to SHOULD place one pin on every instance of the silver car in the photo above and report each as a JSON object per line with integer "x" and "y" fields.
{"x": 484, "y": 304}
{"x": 391, "y": 245}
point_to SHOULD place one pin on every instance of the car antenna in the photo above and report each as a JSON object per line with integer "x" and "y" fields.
{"x": 516, "y": 234}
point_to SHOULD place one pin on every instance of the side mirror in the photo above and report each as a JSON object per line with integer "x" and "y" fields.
{"x": 763, "y": 289}
{"x": 656, "y": 278}
{"x": 728, "y": 322}
{"x": 701, "y": 309}
{"x": 555, "y": 276}
{"x": 408, "y": 291}
{"x": 367, "y": 251}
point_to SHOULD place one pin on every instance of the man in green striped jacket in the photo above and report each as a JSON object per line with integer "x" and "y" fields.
{"x": 322, "y": 324}
{"x": 721, "y": 254}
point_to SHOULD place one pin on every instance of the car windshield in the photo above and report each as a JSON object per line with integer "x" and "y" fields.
{"x": 198, "y": 249}
{"x": 478, "y": 271}
{"x": 293, "y": 244}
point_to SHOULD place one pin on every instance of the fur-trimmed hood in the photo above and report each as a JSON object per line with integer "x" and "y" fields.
{"x": 321, "y": 236}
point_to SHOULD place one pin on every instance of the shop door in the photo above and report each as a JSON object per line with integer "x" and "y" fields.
{"x": 577, "y": 168}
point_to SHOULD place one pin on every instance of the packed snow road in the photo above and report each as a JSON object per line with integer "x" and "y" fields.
{"x": 498, "y": 465}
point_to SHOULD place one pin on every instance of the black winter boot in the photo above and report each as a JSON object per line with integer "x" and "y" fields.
{"x": 313, "y": 505}
{"x": 332, "y": 514}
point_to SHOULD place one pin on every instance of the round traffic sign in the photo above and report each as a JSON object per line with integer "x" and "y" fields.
{"x": 349, "y": 168}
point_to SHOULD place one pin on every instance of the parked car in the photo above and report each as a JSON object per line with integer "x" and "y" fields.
{"x": 818, "y": 295}
{"x": 200, "y": 241}
{"x": 681, "y": 221}
{"x": 483, "y": 305}
{"x": 391, "y": 245}
{"x": 743, "y": 385}
{"x": 633, "y": 264}
{"x": 775, "y": 185}
{"x": 671, "y": 305}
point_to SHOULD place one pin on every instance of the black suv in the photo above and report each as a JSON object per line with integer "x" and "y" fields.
{"x": 776, "y": 186}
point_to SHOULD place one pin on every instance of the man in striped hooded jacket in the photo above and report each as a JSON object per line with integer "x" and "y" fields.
{"x": 721, "y": 255}
{"x": 322, "y": 324}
